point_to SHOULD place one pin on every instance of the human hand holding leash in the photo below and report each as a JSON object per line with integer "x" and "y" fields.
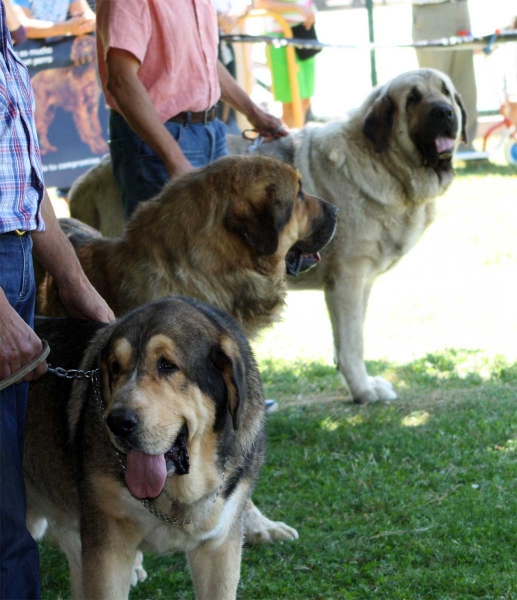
{"x": 269, "y": 127}
{"x": 19, "y": 344}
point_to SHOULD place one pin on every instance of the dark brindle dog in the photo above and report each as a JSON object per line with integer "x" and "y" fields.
{"x": 175, "y": 427}
{"x": 226, "y": 234}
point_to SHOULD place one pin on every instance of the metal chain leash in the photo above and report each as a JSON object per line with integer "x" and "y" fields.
{"x": 72, "y": 373}
{"x": 94, "y": 376}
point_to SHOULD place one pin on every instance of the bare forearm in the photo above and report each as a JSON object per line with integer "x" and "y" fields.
{"x": 234, "y": 95}
{"x": 42, "y": 29}
{"x": 138, "y": 109}
{"x": 58, "y": 257}
{"x": 278, "y": 7}
{"x": 37, "y": 28}
{"x": 267, "y": 125}
{"x": 53, "y": 249}
{"x": 13, "y": 21}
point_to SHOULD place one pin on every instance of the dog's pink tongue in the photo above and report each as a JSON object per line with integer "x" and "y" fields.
{"x": 444, "y": 144}
{"x": 145, "y": 474}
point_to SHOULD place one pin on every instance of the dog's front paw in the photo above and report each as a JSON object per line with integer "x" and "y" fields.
{"x": 138, "y": 573}
{"x": 378, "y": 390}
{"x": 258, "y": 529}
{"x": 383, "y": 388}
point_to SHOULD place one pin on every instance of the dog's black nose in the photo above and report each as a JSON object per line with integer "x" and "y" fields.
{"x": 442, "y": 112}
{"x": 330, "y": 209}
{"x": 122, "y": 422}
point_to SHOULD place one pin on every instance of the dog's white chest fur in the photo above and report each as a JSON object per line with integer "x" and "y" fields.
{"x": 162, "y": 537}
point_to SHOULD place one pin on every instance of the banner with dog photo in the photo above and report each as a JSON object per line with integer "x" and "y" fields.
{"x": 71, "y": 116}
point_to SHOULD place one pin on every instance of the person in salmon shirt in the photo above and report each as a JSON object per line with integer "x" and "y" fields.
{"x": 161, "y": 79}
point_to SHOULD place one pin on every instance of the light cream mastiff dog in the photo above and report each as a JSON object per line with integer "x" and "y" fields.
{"x": 383, "y": 167}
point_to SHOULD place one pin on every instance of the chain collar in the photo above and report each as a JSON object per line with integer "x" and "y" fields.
{"x": 94, "y": 376}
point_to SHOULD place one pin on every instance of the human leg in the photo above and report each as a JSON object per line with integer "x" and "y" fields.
{"x": 435, "y": 21}
{"x": 140, "y": 173}
{"x": 19, "y": 570}
{"x": 462, "y": 72}
{"x": 219, "y": 147}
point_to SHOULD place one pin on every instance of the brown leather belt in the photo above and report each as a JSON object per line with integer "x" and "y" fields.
{"x": 186, "y": 117}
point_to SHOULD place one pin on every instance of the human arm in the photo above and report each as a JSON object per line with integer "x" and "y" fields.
{"x": 19, "y": 342}
{"x": 17, "y": 30}
{"x": 138, "y": 109}
{"x": 13, "y": 22}
{"x": 231, "y": 92}
{"x": 81, "y": 7}
{"x": 38, "y": 28}
{"x": 226, "y": 22}
{"x": 307, "y": 14}
{"x": 58, "y": 257}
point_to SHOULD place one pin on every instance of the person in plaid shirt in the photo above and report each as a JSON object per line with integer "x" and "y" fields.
{"x": 26, "y": 220}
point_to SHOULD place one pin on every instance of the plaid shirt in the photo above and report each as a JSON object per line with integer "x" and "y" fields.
{"x": 21, "y": 177}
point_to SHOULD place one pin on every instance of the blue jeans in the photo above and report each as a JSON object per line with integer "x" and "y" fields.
{"x": 19, "y": 568}
{"x": 140, "y": 174}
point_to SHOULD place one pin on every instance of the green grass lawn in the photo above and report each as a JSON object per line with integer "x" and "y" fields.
{"x": 412, "y": 500}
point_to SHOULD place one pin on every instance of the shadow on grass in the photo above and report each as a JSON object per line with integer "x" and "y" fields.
{"x": 450, "y": 368}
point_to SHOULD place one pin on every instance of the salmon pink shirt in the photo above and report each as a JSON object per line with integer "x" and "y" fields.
{"x": 176, "y": 44}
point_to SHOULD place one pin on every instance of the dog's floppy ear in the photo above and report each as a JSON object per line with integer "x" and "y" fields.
{"x": 257, "y": 225}
{"x": 227, "y": 360}
{"x": 463, "y": 118}
{"x": 378, "y": 122}
{"x": 81, "y": 388}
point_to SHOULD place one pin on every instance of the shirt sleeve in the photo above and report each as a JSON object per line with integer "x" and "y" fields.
{"x": 124, "y": 24}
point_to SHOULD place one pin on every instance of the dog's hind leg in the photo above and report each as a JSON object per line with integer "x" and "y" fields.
{"x": 35, "y": 519}
{"x": 70, "y": 543}
{"x": 258, "y": 529}
{"x": 138, "y": 573}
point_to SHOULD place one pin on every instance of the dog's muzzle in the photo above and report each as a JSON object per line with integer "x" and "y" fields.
{"x": 146, "y": 473}
{"x": 436, "y": 138}
{"x": 305, "y": 254}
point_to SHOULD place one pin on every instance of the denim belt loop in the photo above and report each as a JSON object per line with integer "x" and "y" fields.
{"x": 188, "y": 118}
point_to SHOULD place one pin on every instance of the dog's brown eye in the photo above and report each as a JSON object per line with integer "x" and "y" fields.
{"x": 414, "y": 97}
{"x": 445, "y": 91}
{"x": 165, "y": 366}
{"x": 115, "y": 368}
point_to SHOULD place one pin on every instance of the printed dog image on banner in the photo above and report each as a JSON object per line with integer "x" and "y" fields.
{"x": 71, "y": 118}
{"x": 76, "y": 90}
